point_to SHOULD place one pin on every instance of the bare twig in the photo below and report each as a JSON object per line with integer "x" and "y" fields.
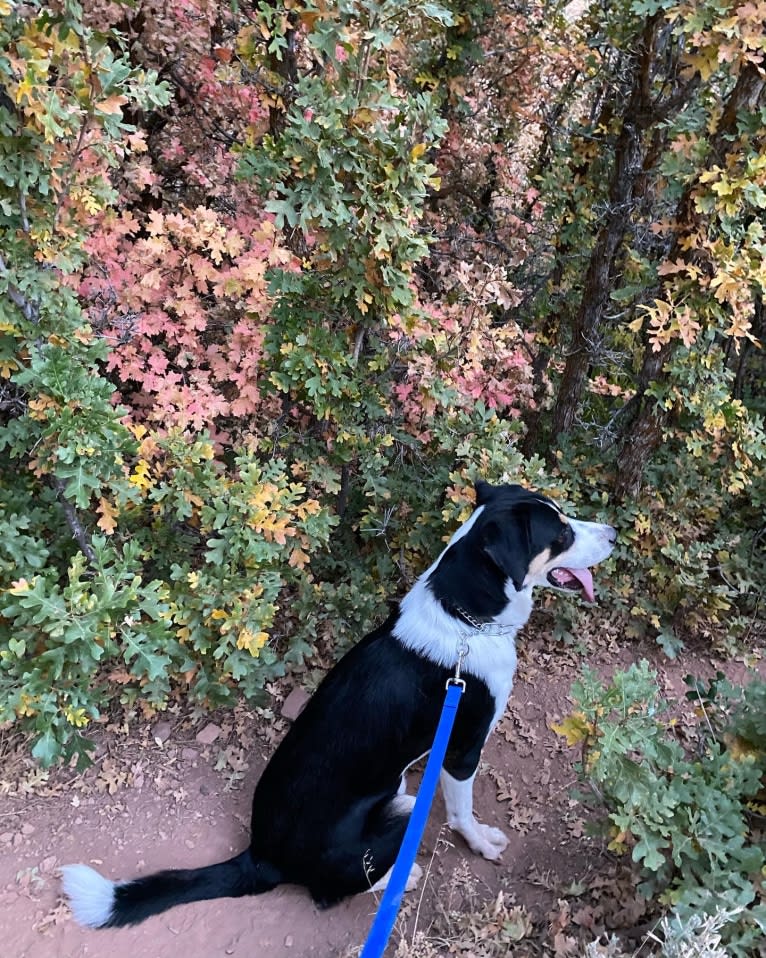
{"x": 73, "y": 520}
{"x": 358, "y": 343}
{"x": 23, "y": 210}
{"x": 30, "y": 309}
{"x": 67, "y": 185}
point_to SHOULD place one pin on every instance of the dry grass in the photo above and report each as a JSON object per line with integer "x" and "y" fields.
{"x": 495, "y": 929}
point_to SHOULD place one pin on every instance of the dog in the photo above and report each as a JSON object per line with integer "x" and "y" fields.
{"x": 330, "y": 810}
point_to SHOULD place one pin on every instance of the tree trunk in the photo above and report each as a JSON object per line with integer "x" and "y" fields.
{"x": 585, "y": 339}
{"x": 547, "y": 333}
{"x": 645, "y": 426}
{"x": 628, "y": 167}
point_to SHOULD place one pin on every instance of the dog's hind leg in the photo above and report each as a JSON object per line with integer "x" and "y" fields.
{"x": 401, "y": 805}
{"x": 458, "y": 797}
{"x": 364, "y": 852}
{"x": 416, "y": 873}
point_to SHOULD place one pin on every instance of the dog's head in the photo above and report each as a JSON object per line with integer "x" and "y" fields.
{"x": 530, "y": 540}
{"x": 517, "y": 539}
{"x": 514, "y": 540}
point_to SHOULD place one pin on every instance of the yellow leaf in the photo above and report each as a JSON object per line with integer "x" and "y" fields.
{"x": 619, "y": 844}
{"x": 704, "y": 63}
{"x": 362, "y": 117}
{"x": 112, "y": 105}
{"x": 574, "y": 728}
{"x": 140, "y": 476}
{"x": 417, "y": 151}
{"x": 38, "y": 408}
{"x": 298, "y": 559}
{"x": 19, "y": 587}
{"x": 24, "y": 91}
{"x": 252, "y": 642}
{"x": 25, "y": 705}
{"x": 76, "y": 717}
{"x": 109, "y": 514}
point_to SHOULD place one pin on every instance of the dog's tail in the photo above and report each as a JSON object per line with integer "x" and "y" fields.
{"x": 99, "y": 903}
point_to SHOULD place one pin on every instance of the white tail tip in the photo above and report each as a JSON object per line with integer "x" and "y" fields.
{"x": 91, "y": 896}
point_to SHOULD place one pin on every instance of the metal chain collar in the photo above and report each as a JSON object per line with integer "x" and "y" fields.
{"x": 462, "y": 643}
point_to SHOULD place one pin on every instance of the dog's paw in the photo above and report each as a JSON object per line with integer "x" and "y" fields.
{"x": 486, "y": 841}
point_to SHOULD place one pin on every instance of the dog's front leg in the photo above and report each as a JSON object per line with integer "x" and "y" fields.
{"x": 458, "y": 797}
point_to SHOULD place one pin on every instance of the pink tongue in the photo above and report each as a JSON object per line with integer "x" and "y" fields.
{"x": 585, "y": 579}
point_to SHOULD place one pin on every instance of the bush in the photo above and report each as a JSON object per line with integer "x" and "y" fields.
{"x": 685, "y": 815}
{"x": 251, "y": 358}
{"x": 271, "y": 394}
{"x": 130, "y": 561}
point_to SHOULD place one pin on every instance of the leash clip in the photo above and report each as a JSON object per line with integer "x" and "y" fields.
{"x": 462, "y": 652}
{"x": 462, "y": 646}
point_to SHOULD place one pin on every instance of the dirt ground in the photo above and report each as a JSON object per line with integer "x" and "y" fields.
{"x": 174, "y": 791}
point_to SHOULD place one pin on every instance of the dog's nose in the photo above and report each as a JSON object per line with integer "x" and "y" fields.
{"x": 611, "y": 534}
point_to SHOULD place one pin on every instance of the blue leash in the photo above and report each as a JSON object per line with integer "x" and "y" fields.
{"x": 392, "y": 896}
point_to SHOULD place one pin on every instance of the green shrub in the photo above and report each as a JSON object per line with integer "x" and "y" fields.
{"x": 683, "y": 814}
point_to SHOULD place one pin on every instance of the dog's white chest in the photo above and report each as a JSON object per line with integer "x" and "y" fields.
{"x": 492, "y": 658}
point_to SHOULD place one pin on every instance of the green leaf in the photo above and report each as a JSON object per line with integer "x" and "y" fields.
{"x": 46, "y": 749}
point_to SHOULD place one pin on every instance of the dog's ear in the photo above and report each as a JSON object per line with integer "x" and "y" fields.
{"x": 507, "y": 545}
{"x": 483, "y": 492}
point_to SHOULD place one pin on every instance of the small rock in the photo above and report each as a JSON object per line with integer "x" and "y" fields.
{"x": 161, "y": 731}
{"x": 295, "y": 703}
{"x": 208, "y": 734}
{"x": 189, "y": 754}
{"x": 27, "y": 829}
{"x": 289, "y": 941}
{"x": 189, "y": 843}
{"x": 6, "y": 838}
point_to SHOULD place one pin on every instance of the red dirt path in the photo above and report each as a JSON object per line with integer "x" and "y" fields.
{"x": 149, "y": 803}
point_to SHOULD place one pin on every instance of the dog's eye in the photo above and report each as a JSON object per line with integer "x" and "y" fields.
{"x": 565, "y": 538}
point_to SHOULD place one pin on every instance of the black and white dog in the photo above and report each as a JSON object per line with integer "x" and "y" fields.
{"x": 330, "y": 809}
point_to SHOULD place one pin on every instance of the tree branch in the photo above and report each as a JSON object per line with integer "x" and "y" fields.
{"x": 30, "y": 310}
{"x": 73, "y": 521}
